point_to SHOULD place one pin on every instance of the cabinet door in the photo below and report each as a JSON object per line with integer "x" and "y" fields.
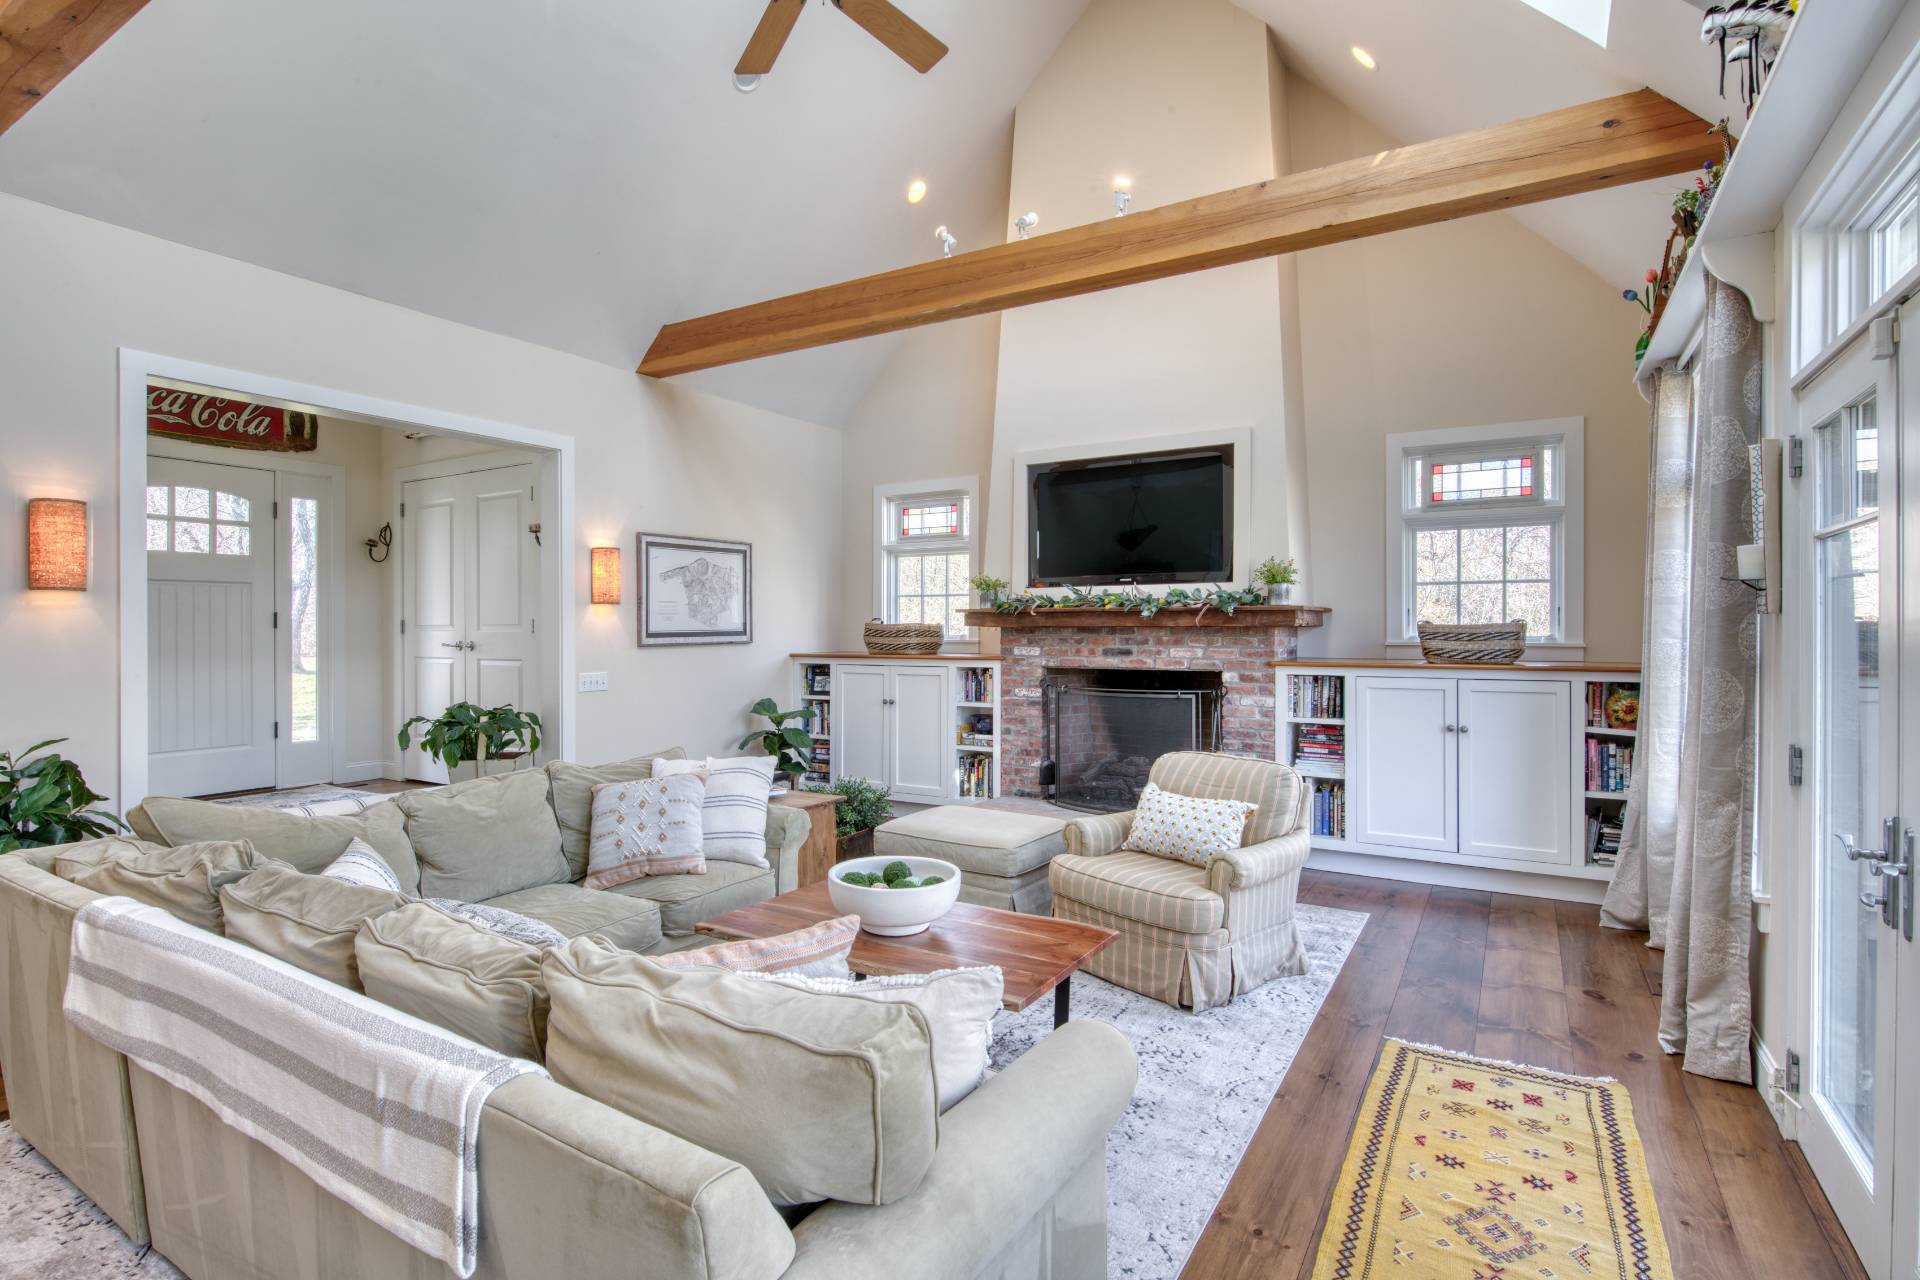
{"x": 1516, "y": 755}
{"x": 923, "y": 731}
{"x": 1401, "y": 749}
{"x": 860, "y": 722}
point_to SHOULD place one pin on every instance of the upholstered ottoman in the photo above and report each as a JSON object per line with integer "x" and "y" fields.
{"x": 1002, "y": 856}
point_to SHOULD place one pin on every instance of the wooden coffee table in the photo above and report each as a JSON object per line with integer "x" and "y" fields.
{"x": 1037, "y": 954}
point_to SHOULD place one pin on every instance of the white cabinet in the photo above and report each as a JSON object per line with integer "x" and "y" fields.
{"x": 862, "y": 722}
{"x": 1404, "y": 767}
{"x": 925, "y": 729}
{"x": 1515, "y": 743}
{"x": 920, "y": 733}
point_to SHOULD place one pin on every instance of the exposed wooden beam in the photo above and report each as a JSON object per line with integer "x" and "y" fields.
{"x": 42, "y": 40}
{"x": 1600, "y": 144}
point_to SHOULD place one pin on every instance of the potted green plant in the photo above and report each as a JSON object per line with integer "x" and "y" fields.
{"x": 45, "y": 800}
{"x": 464, "y": 732}
{"x": 989, "y": 589}
{"x": 863, "y": 805}
{"x": 1278, "y": 577}
{"x": 790, "y": 745}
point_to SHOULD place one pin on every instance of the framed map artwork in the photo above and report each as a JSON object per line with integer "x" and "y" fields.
{"x": 695, "y": 590}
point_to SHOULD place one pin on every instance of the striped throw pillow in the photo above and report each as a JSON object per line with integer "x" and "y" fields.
{"x": 360, "y": 864}
{"x": 733, "y": 819}
{"x": 817, "y": 951}
{"x": 645, "y": 827}
{"x": 508, "y": 924}
{"x": 1189, "y": 828}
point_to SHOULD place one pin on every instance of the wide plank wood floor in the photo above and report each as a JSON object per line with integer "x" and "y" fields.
{"x": 1525, "y": 980}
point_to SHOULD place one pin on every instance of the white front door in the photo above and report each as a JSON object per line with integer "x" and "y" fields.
{"x": 1403, "y": 733}
{"x": 1516, "y": 754}
{"x": 922, "y": 732}
{"x": 1905, "y": 1197}
{"x": 1848, "y": 508}
{"x": 210, "y": 611}
{"x": 470, "y": 591}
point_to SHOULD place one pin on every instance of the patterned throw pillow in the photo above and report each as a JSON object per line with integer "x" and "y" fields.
{"x": 817, "y": 951}
{"x": 360, "y": 864}
{"x": 508, "y": 924}
{"x": 647, "y": 827}
{"x": 1171, "y": 825}
{"x": 733, "y": 819}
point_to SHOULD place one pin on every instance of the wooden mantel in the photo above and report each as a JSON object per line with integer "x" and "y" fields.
{"x": 1298, "y": 616}
{"x": 1601, "y": 144}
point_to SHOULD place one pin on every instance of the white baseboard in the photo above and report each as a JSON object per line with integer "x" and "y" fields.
{"x": 365, "y": 771}
{"x": 1491, "y": 880}
{"x": 1781, "y": 1105}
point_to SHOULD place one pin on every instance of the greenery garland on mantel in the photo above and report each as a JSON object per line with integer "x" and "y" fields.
{"x": 1225, "y": 599}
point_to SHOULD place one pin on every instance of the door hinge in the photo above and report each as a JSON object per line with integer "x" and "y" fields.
{"x": 1796, "y": 456}
{"x": 403, "y": 511}
{"x": 1796, "y": 766}
{"x": 276, "y": 508}
{"x": 1788, "y": 1077}
{"x": 533, "y": 626}
{"x": 403, "y": 626}
{"x": 276, "y": 728}
{"x": 276, "y": 619}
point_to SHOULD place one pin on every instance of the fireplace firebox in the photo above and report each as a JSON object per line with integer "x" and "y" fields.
{"x": 1105, "y": 728}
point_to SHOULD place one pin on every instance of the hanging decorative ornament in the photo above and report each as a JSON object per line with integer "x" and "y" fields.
{"x": 1749, "y": 33}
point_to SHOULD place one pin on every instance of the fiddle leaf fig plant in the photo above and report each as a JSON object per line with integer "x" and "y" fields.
{"x": 45, "y": 800}
{"x": 790, "y": 745}
{"x": 464, "y": 732}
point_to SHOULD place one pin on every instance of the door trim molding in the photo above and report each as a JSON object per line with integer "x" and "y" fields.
{"x": 136, "y": 367}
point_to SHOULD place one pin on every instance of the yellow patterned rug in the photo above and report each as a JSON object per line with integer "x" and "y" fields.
{"x": 1466, "y": 1169}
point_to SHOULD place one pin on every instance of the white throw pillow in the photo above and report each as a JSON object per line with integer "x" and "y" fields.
{"x": 646, "y": 827}
{"x": 508, "y": 924}
{"x": 733, "y": 819}
{"x": 1189, "y": 828}
{"x": 959, "y": 1005}
{"x": 359, "y": 863}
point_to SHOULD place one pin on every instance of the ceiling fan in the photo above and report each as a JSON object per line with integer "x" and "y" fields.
{"x": 880, "y": 19}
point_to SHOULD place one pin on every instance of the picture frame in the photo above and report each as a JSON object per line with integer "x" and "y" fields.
{"x": 694, "y": 590}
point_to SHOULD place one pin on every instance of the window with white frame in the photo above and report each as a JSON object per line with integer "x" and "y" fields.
{"x": 926, "y": 554}
{"x": 1483, "y": 527}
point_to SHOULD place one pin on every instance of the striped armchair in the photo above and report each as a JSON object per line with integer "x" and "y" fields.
{"x": 1194, "y": 936}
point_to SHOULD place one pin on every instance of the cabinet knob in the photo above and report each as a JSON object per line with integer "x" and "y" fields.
{"x": 1449, "y": 728}
{"x": 1463, "y": 728}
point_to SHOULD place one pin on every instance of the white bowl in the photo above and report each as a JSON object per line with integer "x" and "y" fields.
{"x": 894, "y": 913}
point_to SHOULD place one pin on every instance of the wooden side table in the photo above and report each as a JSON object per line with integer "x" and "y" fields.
{"x": 817, "y": 854}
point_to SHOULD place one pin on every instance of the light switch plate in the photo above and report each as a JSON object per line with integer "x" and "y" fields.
{"x": 593, "y": 682}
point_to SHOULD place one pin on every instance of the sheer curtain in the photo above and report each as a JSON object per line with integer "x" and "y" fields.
{"x": 1684, "y": 872}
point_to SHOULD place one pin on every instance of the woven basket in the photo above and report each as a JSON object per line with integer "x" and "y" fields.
{"x": 897, "y": 638}
{"x": 1473, "y": 641}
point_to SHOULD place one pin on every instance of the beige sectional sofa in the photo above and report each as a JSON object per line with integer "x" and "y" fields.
{"x": 570, "y": 1187}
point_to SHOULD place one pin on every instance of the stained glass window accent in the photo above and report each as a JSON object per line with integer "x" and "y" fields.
{"x": 1485, "y": 574}
{"x": 930, "y": 519}
{"x": 1480, "y": 479}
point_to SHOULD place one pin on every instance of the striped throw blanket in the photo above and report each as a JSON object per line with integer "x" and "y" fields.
{"x": 379, "y": 1108}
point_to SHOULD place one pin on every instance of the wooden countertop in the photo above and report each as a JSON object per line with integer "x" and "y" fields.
{"x": 863, "y": 656}
{"x": 1421, "y": 664}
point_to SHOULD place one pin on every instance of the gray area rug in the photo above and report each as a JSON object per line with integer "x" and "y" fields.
{"x": 49, "y": 1230}
{"x": 297, "y": 798}
{"x": 1205, "y": 1082}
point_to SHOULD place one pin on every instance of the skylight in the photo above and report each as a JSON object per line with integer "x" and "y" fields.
{"x": 1588, "y": 17}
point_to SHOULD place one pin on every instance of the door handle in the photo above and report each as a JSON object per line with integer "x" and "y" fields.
{"x": 458, "y": 644}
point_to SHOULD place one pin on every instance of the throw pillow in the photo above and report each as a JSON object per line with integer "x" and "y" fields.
{"x": 819, "y": 950}
{"x": 733, "y": 818}
{"x": 508, "y": 924}
{"x": 480, "y": 839}
{"x": 361, "y": 864}
{"x": 692, "y": 1052}
{"x": 959, "y": 1003}
{"x": 185, "y": 880}
{"x": 455, "y": 974}
{"x": 309, "y": 844}
{"x": 1171, "y": 825}
{"x": 649, "y": 828}
{"x": 308, "y": 921}
{"x": 570, "y": 791}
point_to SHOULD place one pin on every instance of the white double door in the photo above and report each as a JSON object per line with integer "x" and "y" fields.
{"x": 470, "y": 591}
{"x": 1859, "y": 552}
{"x": 893, "y": 724}
{"x": 239, "y": 671}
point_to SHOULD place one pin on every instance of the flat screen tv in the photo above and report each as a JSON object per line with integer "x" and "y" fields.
{"x": 1147, "y": 517}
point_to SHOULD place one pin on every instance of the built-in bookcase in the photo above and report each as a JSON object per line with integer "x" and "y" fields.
{"x": 1314, "y": 742}
{"x": 816, "y": 693}
{"x": 975, "y": 734}
{"x": 1609, "y": 736}
{"x": 928, "y": 728}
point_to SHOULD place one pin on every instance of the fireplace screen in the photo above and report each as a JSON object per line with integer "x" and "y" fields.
{"x": 1104, "y": 740}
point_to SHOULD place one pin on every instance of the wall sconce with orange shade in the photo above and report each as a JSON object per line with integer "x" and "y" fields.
{"x": 56, "y": 544}
{"x": 606, "y": 575}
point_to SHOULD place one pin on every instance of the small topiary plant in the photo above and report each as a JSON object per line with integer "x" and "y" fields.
{"x": 863, "y": 805}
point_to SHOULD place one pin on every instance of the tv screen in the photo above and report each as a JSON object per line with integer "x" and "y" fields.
{"x": 1154, "y": 517}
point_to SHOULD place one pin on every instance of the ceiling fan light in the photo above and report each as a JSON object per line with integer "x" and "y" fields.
{"x": 746, "y": 84}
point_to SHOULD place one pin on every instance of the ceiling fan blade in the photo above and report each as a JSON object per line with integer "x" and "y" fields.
{"x": 894, "y": 29}
{"x": 776, "y": 24}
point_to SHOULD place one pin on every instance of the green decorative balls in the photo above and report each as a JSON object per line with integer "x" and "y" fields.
{"x": 896, "y": 871}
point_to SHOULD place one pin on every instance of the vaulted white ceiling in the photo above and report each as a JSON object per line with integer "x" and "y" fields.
{"x": 578, "y": 173}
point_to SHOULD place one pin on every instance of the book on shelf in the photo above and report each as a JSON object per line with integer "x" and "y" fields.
{"x": 1316, "y": 697}
{"x": 818, "y": 679}
{"x": 976, "y": 777}
{"x": 976, "y": 684}
{"x": 1609, "y": 765}
{"x": 1330, "y": 809}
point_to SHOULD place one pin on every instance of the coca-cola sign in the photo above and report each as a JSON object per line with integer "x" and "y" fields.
{"x": 238, "y": 424}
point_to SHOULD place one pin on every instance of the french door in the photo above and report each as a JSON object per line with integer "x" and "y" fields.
{"x": 1866, "y": 804}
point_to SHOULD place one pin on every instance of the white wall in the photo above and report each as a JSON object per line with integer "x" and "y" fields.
{"x": 650, "y": 456}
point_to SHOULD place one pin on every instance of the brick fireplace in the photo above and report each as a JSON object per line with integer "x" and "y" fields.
{"x": 1061, "y": 641}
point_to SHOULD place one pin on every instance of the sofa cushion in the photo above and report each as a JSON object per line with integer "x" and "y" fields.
{"x": 183, "y": 879}
{"x": 1138, "y": 886}
{"x": 991, "y": 842}
{"x": 645, "y": 827}
{"x": 457, "y": 975}
{"x": 477, "y": 840}
{"x": 570, "y": 792}
{"x": 632, "y": 923}
{"x": 685, "y": 901}
{"x": 719, "y": 1059}
{"x": 308, "y": 844}
{"x": 308, "y": 921}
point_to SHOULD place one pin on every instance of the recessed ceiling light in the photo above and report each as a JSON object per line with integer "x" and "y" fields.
{"x": 1364, "y": 58}
{"x": 916, "y": 191}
